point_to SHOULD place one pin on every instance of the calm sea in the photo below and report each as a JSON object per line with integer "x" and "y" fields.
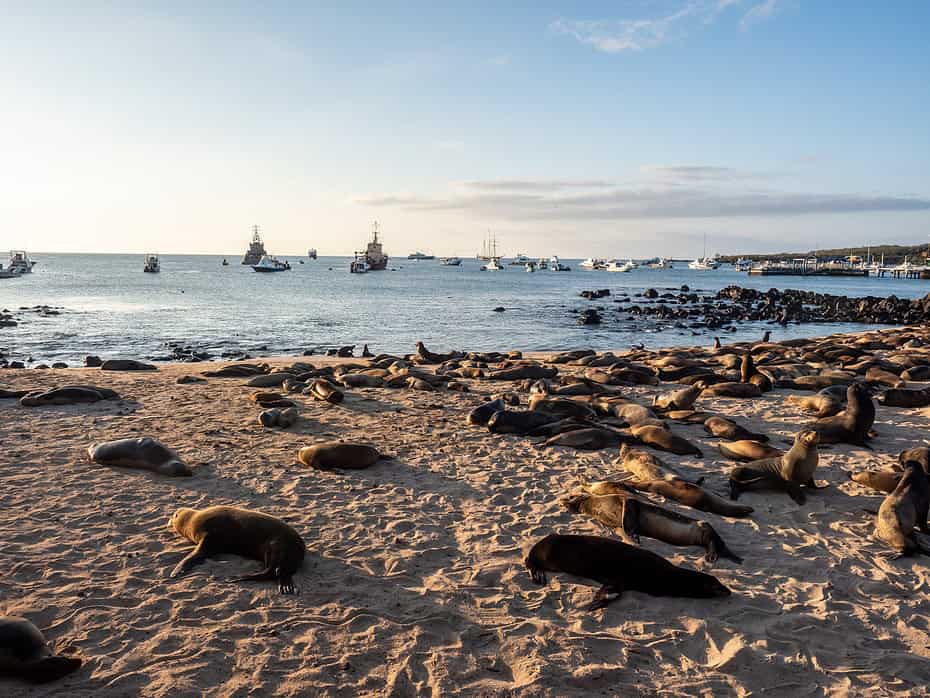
{"x": 113, "y": 309}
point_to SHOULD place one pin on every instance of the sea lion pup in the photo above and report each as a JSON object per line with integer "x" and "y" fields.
{"x": 513, "y": 422}
{"x": 642, "y": 465}
{"x": 826, "y": 403}
{"x": 68, "y": 395}
{"x": 144, "y": 453}
{"x": 618, "y": 567}
{"x": 738, "y": 390}
{"x": 882, "y": 480}
{"x": 748, "y": 450}
{"x": 787, "y": 473}
{"x": 724, "y": 428}
{"x": 482, "y": 413}
{"x": 921, "y": 454}
{"x": 590, "y": 439}
{"x": 322, "y": 389}
{"x": 338, "y": 454}
{"x": 852, "y": 425}
{"x": 631, "y": 517}
{"x": 904, "y": 397}
{"x": 664, "y": 440}
{"x": 677, "y": 489}
{"x": 561, "y": 407}
{"x": 25, "y": 654}
{"x": 903, "y": 509}
{"x": 231, "y": 530}
{"x": 678, "y": 400}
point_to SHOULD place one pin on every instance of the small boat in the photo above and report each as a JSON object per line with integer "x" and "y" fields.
{"x": 225, "y": 263}
{"x": 311, "y": 253}
{"x": 269, "y": 264}
{"x": 542, "y": 264}
{"x": 632, "y": 264}
{"x": 20, "y": 261}
{"x": 420, "y": 255}
{"x": 556, "y": 265}
{"x": 450, "y": 261}
{"x": 704, "y": 263}
{"x": 152, "y": 266}
{"x": 519, "y": 259}
{"x": 742, "y": 264}
{"x": 592, "y": 263}
{"x": 11, "y": 273}
{"x": 493, "y": 265}
{"x": 530, "y": 266}
{"x": 660, "y": 263}
{"x": 617, "y": 265}
{"x": 359, "y": 265}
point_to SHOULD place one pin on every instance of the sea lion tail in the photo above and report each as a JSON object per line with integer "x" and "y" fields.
{"x": 49, "y": 669}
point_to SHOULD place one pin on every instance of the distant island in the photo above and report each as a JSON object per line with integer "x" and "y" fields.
{"x": 893, "y": 254}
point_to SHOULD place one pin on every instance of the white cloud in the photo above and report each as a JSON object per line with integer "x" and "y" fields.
{"x": 759, "y": 13}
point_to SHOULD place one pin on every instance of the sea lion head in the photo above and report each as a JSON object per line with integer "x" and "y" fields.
{"x": 175, "y": 468}
{"x": 179, "y": 521}
{"x": 808, "y": 437}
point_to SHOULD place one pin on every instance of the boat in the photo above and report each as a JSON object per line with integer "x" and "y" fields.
{"x": 419, "y": 255}
{"x": 152, "y": 266}
{"x": 530, "y": 266}
{"x": 359, "y": 265}
{"x": 556, "y": 265}
{"x": 617, "y": 265}
{"x": 660, "y": 263}
{"x": 311, "y": 253}
{"x": 494, "y": 262}
{"x": 374, "y": 256}
{"x": 225, "y": 263}
{"x": 742, "y": 264}
{"x": 485, "y": 254}
{"x": 704, "y": 263}
{"x": 592, "y": 263}
{"x": 256, "y": 249}
{"x": 632, "y": 264}
{"x": 519, "y": 259}
{"x": 268, "y": 264}
{"x": 10, "y": 273}
{"x": 542, "y": 264}
{"x": 20, "y": 261}
{"x": 450, "y": 261}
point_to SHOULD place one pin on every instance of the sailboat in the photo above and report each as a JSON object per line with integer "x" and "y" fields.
{"x": 494, "y": 262}
{"x": 704, "y": 263}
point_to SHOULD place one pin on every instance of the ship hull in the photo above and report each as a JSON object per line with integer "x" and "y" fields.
{"x": 380, "y": 265}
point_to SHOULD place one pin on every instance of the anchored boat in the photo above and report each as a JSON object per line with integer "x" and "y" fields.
{"x": 268, "y": 263}
{"x": 374, "y": 256}
{"x": 152, "y": 265}
{"x": 450, "y": 261}
{"x": 256, "y": 249}
{"x": 20, "y": 261}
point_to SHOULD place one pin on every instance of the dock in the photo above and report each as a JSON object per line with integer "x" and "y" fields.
{"x": 908, "y": 272}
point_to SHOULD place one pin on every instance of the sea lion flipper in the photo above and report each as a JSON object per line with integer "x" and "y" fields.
{"x": 794, "y": 491}
{"x": 194, "y": 558}
{"x": 607, "y": 594}
{"x": 735, "y": 490}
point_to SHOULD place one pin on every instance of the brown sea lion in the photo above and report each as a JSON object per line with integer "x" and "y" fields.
{"x": 852, "y": 425}
{"x": 25, "y": 654}
{"x": 688, "y": 416}
{"x": 482, "y": 413}
{"x": 143, "y": 453}
{"x": 825, "y": 403}
{"x": 678, "y": 400}
{"x": 269, "y": 380}
{"x": 68, "y": 395}
{"x": 787, "y": 473}
{"x": 278, "y": 418}
{"x": 269, "y": 399}
{"x": 525, "y": 371}
{"x": 231, "y": 530}
{"x": 514, "y": 422}
{"x": 903, "y": 509}
{"x": 676, "y": 489}
{"x": 618, "y": 567}
{"x": 322, "y": 389}
{"x": 921, "y": 454}
{"x": 738, "y": 390}
{"x": 338, "y": 454}
{"x": 590, "y": 439}
{"x": 904, "y": 397}
{"x": 632, "y": 517}
{"x": 883, "y": 377}
{"x": 126, "y": 365}
{"x": 643, "y": 465}
{"x": 724, "y": 428}
{"x": 561, "y": 407}
{"x": 426, "y": 356}
{"x": 881, "y": 480}
{"x": 664, "y": 440}
{"x": 14, "y": 394}
{"x": 562, "y": 426}
{"x": 748, "y": 451}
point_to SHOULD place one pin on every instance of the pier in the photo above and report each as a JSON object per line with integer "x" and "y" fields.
{"x": 807, "y": 268}
{"x": 907, "y": 272}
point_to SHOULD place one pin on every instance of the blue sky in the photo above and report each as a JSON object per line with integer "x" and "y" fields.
{"x": 609, "y": 129}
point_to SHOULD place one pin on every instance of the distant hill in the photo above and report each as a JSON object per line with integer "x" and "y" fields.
{"x": 894, "y": 254}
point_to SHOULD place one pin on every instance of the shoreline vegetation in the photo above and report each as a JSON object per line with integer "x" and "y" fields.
{"x": 414, "y": 578}
{"x": 893, "y": 254}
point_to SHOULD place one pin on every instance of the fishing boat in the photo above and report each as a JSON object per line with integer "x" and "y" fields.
{"x": 20, "y": 261}
{"x": 556, "y": 265}
{"x": 450, "y": 261}
{"x": 152, "y": 265}
{"x": 256, "y": 249}
{"x": 359, "y": 265}
{"x": 311, "y": 253}
{"x": 268, "y": 264}
{"x": 416, "y": 256}
{"x": 592, "y": 263}
{"x": 519, "y": 259}
{"x": 617, "y": 265}
{"x": 8, "y": 273}
{"x": 374, "y": 256}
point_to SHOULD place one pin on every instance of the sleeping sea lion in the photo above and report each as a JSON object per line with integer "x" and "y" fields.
{"x": 482, "y": 413}
{"x": 643, "y": 465}
{"x": 143, "y": 454}
{"x": 787, "y": 473}
{"x": 905, "y": 397}
{"x": 338, "y": 454}
{"x": 881, "y": 480}
{"x": 664, "y": 440}
{"x": 322, "y": 389}
{"x": 632, "y": 517}
{"x": 562, "y": 426}
{"x": 678, "y": 400}
{"x": 825, "y": 403}
{"x": 724, "y": 428}
{"x": 67, "y": 395}
{"x": 732, "y": 389}
{"x": 590, "y": 439}
{"x": 677, "y": 489}
{"x": 230, "y": 530}
{"x": 516, "y": 373}
{"x": 618, "y": 567}
{"x": 852, "y": 425}
{"x": 748, "y": 451}
{"x": 25, "y": 654}
{"x": 903, "y": 509}
{"x": 514, "y": 422}
{"x": 561, "y": 407}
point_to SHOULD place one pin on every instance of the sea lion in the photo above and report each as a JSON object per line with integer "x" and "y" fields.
{"x": 883, "y": 377}
{"x": 904, "y": 397}
{"x": 186, "y": 380}
{"x": 724, "y": 428}
{"x": 25, "y": 654}
{"x": 561, "y": 407}
{"x": 13, "y": 394}
{"x": 645, "y": 466}
{"x": 676, "y": 489}
{"x": 786, "y": 473}
{"x": 903, "y": 509}
{"x": 360, "y": 380}
{"x": 322, "y": 389}
{"x": 631, "y": 517}
{"x": 237, "y": 371}
{"x": 688, "y": 416}
{"x": 747, "y": 368}
{"x": 825, "y": 403}
{"x": 266, "y": 400}
{"x": 590, "y": 439}
{"x": 278, "y": 418}
{"x": 664, "y": 440}
{"x": 338, "y": 454}
{"x": 562, "y": 426}
{"x": 428, "y": 357}
{"x": 881, "y": 480}
{"x": 482, "y": 413}
{"x": 126, "y": 365}
{"x": 618, "y": 567}
{"x": 231, "y": 530}
{"x": 68, "y": 395}
{"x": 921, "y": 454}
{"x": 143, "y": 453}
{"x": 516, "y": 373}
{"x": 514, "y": 422}
{"x": 678, "y": 400}
{"x": 738, "y": 390}
{"x": 852, "y": 425}
{"x": 748, "y": 451}
{"x": 269, "y": 380}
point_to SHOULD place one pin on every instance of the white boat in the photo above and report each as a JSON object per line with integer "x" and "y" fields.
{"x": 530, "y": 266}
{"x": 20, "y": 261}
{"x": 493, "y": 265}
{"x": 8, "y": 273}
{"x": 450, "y": 261}
{"x": 542, "y": 264}
{"x": 660, "y": 263}
{"x": 269, "y": 264}
{"x": 632, "y": 264}
{"x": 617, "y": 265}
{"x": 703, "y": 264}
{"x": 152, "y": 265}
{"x": 556, "y": 265}
{"x": 519, "y": 259}
{"x": 420, "y": 255}
{"x": 592, "y": 263}
{"x": 311, "y": 253}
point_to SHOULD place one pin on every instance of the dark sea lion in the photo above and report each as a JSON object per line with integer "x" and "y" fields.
{"x": 903, "y": 397}
{"x": 724, "y": 428}
{"x": 678, "y": 400}
{"x": 761, "y": 381}
{"x": 268, "y": 399}
{"x": 231, "y": 530}
{"x": 590, "y": 439}
{"x": 562, "y": 426}
{"x": 917, "y": 373}
{"x": 236, "y": 371}
{"x": 738, "y": 390}
{"x": 561, "y": 407}
{"x": 322, "y": 389}
{"x": 520, "y": 372}
{"x": 338, "y": 454}
{"x": 852, "y": 425}
{"x": 126, "y": 365}
{"x": 482, "y": 413}
{"x": 14, "y": 394}
{"x": 643, "y": 465}
{"x": 618, "y": 567}
{"x": 786, "y": 473}
{"x": 25, "y": 654}
{"x": 664, "y": 440}
{"x": 270, "y": 380}
{"x": 186, "y": 380}
{"x": 748, "y": 451}
{"x": 676, "y": 489}
{"x": 143, "y": 453}
{"x": 747, "y": 368}
{"x": 426, "y": 356}
{"x": 279, "y": 418}
{"x": 514, "y": 422}
{"x": 921, "y": 454}
{"x": 632, "y": 517}
{"x": 881, "y": 480}
{"x": 903, "y": 509}
{"x": 68, "y": 395}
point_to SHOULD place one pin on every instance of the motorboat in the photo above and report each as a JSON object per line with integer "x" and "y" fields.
{"x": 494, "y": 264}
{"x": 542, "y": 264}
{"x": 152, "y": 265}
{"x": 530, "y": 266}
{"x": 450, "y": 261}
{"x": 632, "y": 264}
{"x": 359, "y": 265}
{"x": 660, "y": 263}
{"x": 556, "y": 265}
{"x": 592, "y": 263}
{"x": 742, "y": 264}
{"x": 703, "y": 264}
{"x": 269, "y": 264}
{"x": 20, "y": 261}
{"x": 9, "y": 273}
{"x": 311, "y": 253}
{"x": 374, "y": 256}
{"x": 420, "y": 255}
{"x": 617, "y": 265}
{"x": 519, "y": 259}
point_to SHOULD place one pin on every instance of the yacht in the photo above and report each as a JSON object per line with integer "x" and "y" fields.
{"x": 519, "y": 259}
{"x": 9, "y": 273}
{"x": 632, "y": 264}
{"x": 556, "y": 265}
{"x": 450, "y": 261}
{"x": 419, "y": 255}
{"x": 374, "y": 256}
{"x": 494, "y": 264}
{"x": 660, "y": 263}
{"x": 617, "y": 265}
{"x": 592, "y": 263}
{"x": 20, "y": 261}
{"x": 152, "y": 266}
{"x": 311, "y": 253}
{"x": 703, "y": 264}
{"x": 256, "y": 249}
{"x": 269, "y": 264}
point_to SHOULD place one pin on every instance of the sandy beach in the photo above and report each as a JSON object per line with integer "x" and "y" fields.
{"x": 414, "y": 581}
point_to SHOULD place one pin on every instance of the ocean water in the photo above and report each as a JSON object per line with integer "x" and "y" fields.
{"x": 112, "y": 309}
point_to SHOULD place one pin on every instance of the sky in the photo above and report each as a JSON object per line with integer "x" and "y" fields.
{"x": 611, "y": 129}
